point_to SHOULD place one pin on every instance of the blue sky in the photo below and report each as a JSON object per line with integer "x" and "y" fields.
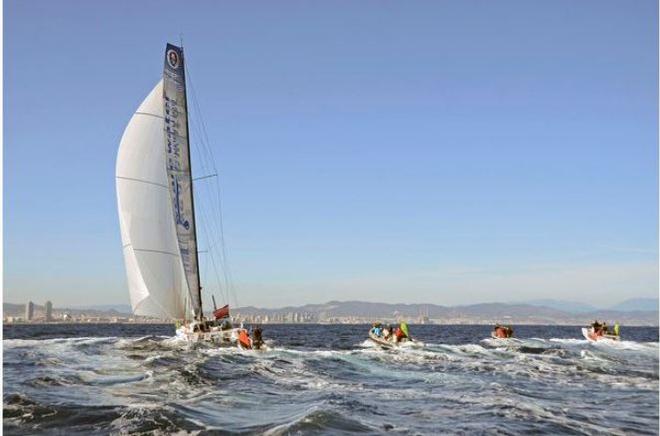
{"x": 442, "y": 152}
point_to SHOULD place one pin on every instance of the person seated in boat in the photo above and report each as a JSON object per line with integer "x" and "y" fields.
{"x": 386, "y": 333}
{"x": 397, "y": 334}
{"x": 214, "y": 323}
{"x": 225, "y": 325}
{"x": 596, "y": 326}
{"x": 502, "y": 331}
{"x": 377, "y": 329}
{"x": 401, "y": 332}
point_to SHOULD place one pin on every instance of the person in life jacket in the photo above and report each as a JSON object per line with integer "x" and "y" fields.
{"x": 401, "y": 332}
{"x": 377, "y": 329}
{"x": 616, "y": 328}
{"x": 244, "y": 339}
{"x": 398, "y": 334}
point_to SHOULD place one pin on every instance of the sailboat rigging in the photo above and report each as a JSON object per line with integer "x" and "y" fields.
{"x": 157, "y": 213}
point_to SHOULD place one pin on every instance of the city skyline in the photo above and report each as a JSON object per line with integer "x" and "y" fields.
{"x": 631, "y": 312}
{"x": 407, "y": 158}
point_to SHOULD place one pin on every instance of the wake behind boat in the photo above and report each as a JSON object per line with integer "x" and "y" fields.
{"x": 157, "y": 215}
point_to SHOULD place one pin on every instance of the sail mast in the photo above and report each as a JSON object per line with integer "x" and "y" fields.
{"x": 192, "y": 190}
{"x": 179, "y": 170}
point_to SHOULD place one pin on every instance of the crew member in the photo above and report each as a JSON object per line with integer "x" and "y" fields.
{"x": 616, "y": 328}
{"x": 257, "y": 341}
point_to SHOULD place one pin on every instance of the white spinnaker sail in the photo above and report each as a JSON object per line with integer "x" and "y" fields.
{"x": 156, "y": 278}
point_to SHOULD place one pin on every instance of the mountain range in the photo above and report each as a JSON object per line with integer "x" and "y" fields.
{"x": 516, "y": 313}
{"x": 638, "y": 311}
{"x": 630, "y": 305}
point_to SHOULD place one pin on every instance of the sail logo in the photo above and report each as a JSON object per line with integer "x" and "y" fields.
{"x": 172, "y": 58}
{"x": 178, "y": 213}
{"x": 174, "y": 159}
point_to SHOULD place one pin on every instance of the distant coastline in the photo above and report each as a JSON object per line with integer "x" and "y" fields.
{"x": 412, "y": 323}
{"x": 360, "y": 312}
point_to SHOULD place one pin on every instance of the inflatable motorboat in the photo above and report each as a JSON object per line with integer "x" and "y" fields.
{"x": 391, "y": 341}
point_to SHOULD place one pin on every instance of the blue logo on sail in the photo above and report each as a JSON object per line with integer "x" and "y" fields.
{"x": 178, "y": 214}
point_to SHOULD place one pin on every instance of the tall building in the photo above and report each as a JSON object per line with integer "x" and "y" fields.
{"x": 29, "y": 311}
{"x": 49, "y": 311}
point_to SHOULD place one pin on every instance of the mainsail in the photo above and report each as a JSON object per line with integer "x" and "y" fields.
{"x": 154, "y": 195}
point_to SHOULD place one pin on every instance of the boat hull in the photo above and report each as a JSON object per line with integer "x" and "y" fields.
{"x": 380, "y": 341}
{"x": 229, "y": 338}
{"x": 384, "y": 343}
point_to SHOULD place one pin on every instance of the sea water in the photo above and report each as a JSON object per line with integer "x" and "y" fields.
{"x": 315, "y": 379}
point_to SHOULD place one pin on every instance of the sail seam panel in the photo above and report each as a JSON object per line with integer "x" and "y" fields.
{"x": 150, "y": 115}
{"x": 131, "y": 179}
{"x": 147, "y": 250}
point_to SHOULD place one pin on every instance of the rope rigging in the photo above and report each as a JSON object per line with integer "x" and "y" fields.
{"x": 210, "y": 205}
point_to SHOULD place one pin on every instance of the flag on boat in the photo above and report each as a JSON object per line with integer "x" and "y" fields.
{"x": 223, "y": 312}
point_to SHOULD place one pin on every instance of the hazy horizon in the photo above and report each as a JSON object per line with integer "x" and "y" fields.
{"x": 445, "y": 152}
{"x": 207, "y": 304}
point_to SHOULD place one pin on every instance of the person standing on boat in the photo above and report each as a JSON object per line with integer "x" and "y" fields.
{"x": 257, "y": 340}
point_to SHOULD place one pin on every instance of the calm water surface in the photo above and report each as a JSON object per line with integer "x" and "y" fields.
{"x": 315, "y": 379}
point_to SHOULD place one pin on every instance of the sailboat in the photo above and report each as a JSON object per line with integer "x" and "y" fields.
{"x": 157, "y": 214}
